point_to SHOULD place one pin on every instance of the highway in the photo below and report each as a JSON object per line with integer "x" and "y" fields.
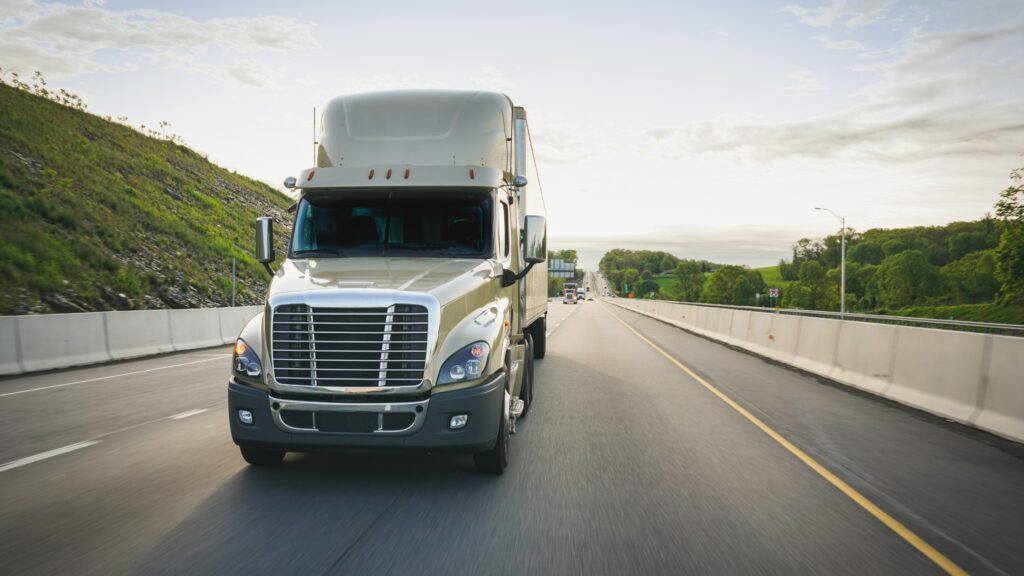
{"x": 641, "y": 455}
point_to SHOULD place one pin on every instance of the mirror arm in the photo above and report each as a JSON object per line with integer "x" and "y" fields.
{"x": 269, "y": 269}
{"x": 509, "y": 277}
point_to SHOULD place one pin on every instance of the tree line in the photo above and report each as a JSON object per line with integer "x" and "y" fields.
{"x": 978, "y": 262}
{"x": 974, "y": 262}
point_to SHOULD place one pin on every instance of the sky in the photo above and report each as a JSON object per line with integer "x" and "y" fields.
{"x": 710, "y": 130}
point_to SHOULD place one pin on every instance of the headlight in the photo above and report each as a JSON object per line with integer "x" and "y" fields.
{"x": 245, "y": 362}
{"x": 466, "y": 364}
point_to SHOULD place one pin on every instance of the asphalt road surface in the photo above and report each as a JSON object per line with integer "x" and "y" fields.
{"x": 627, "y": 464}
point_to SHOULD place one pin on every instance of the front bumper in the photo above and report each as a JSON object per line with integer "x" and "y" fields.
{"x": 428, "y": 429}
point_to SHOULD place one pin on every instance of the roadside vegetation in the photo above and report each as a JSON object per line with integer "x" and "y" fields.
{"x": 101, "y": 215}
{"x": 963, "y": 270}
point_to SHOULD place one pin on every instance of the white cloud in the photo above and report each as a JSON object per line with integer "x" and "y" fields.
{"x": 63, "y": 39}
{"x": 852, "y": 13}
{"x": 830, "y": 44}
{"x": 939, "y": 95}
{"x": 804, "y": 83}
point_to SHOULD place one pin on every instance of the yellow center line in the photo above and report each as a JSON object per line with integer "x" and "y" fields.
{"x": 893, "y": 524}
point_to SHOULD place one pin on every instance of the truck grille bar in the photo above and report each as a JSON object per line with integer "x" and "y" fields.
{"x": 349, "y": 346}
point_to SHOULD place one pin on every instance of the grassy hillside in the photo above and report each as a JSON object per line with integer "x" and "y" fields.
{"x": 773, "y": 277}
{"x": 97, "y": 216}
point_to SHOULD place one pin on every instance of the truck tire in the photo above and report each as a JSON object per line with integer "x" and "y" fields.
{"x": 539, "y": 331}
{"x": 526, "y": 393}
{"x": 262, "y": 456}
{"x": 495, "y": 460}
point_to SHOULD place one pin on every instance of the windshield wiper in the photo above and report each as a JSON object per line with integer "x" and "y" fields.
{"x": 316, "y": 253}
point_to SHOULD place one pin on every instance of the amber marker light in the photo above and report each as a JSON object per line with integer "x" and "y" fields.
{"x": 240, "y": 348}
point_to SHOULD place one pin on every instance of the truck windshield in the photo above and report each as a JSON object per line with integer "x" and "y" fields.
{"x": 440, "y": 223}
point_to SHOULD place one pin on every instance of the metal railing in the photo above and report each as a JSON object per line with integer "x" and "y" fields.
{"x": 960, "y": 325}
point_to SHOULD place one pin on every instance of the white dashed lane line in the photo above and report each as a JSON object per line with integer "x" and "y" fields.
{"x": 44, "y": 455}
{"x": 218, "y": 357}
{"x": 184, "y": 415}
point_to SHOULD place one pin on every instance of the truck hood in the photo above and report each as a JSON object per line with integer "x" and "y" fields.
{"x": 446, "y": 278}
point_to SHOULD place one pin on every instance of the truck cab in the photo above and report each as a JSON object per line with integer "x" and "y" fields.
{"x": 411, "y": 302}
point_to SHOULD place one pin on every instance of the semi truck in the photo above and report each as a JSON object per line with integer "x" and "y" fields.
{"x": 412, "y": 301}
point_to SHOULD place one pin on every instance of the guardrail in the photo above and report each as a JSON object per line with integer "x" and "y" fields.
{"x": 974, "y": 379}
{"x": 960, "y": 325}
{"x": 32, "y": 343}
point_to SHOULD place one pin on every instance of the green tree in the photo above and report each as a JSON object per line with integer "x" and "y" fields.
{"x": 906, "y": 278}
{"x": 812, "y": 290}
{"x": 630, "y": 277}
{"x": 971, "y": 279}
{"x": 615, "y": 277}
{"x": 743, "y": 291}
{"x": 964, "y": 243}
{"x": 555, "y": 286}
{"x": 1009, "y": 257}
{"x": 865, "y": 252}
{"x": 720, "y": 285}
{"x": 647, "y": 289}
{"x": 690, "y": 275}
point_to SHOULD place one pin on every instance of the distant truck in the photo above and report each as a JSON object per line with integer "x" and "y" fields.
{"x": 413, "y": 298}
{"x": 569, "y": 297}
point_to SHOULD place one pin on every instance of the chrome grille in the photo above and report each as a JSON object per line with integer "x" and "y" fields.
{"x": 349, "y": 346}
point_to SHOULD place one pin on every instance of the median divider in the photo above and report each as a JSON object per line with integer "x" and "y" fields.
{"x": 56, "y": 340}
{"x": 138, "y": 333}
{"x": 974, "y": 379}
{"x": 9, "y": 361}
{"x": 32, "y": 343}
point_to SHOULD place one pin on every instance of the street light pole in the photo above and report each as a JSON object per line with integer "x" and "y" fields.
{"x": 842, "y": 261}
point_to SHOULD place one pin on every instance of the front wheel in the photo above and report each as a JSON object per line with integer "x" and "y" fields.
{"x": 495, "y": 460}
{"x": 262, "y": 456}
{"x": 526, "y": 393}
{"x": 539, "y": 331}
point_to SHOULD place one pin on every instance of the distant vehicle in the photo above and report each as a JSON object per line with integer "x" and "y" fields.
{"x": 569, "y": 297}
{"x": 580, "y": 292}
{"x": 414, "y": 293}
{"x": 581, "y": 296}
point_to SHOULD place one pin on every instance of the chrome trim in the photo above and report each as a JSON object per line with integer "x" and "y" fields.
{"x": 382, "y": 374}
{"x": 357, "y": 298}
{"x": 378, "y": 407}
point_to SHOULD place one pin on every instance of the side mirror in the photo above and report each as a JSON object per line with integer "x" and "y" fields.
{"x": 519, "y": 181}
{"x": 264, "y": 240}
{"x": 536, "y": 249}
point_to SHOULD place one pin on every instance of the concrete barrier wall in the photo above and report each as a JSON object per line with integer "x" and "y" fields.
{"x": 975, "y": 379}
{"x": 138, "y": 333}
{"x": 48, "y": 341}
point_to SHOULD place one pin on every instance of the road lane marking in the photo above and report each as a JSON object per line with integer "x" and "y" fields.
{"x": 97, "y": 439}
{"x": 220, "y": 357}
{"x": 893, "y": 524}
{"x": 48, "y": 454}
{"x": 184, "y": 415}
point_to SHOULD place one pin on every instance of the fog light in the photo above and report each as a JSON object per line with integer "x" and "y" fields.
{"x": 458, "y": 421}
{"x": 245, "y": 417}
